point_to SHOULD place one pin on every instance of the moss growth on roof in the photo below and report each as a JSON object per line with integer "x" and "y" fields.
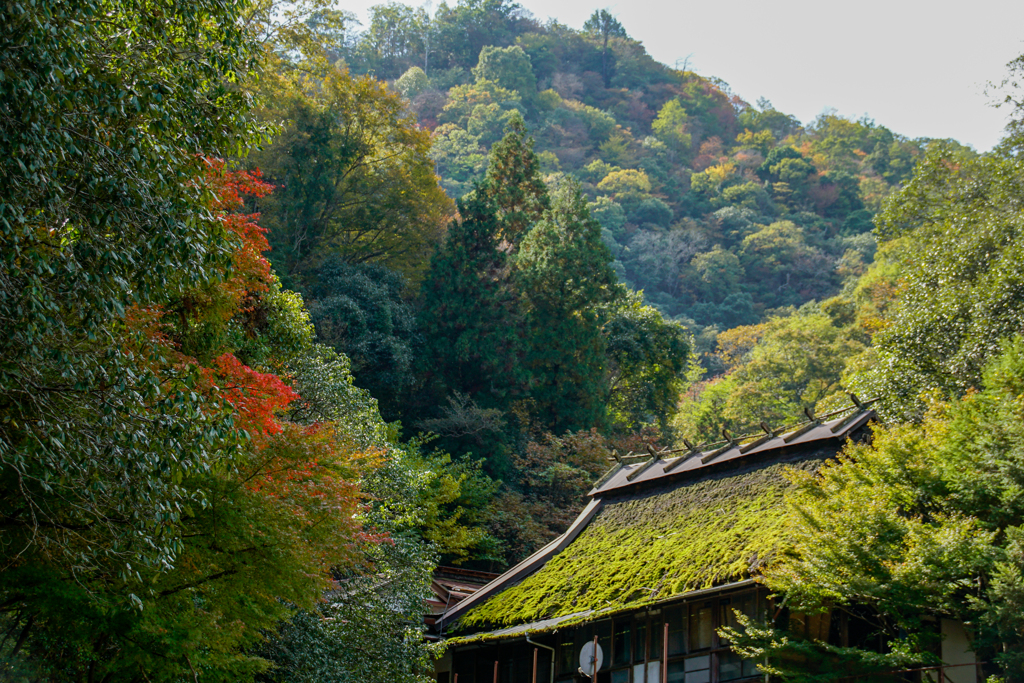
{"x": 654, "y": 545}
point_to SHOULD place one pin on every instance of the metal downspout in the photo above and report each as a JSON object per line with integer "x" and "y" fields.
{"x": 546, "y": 647}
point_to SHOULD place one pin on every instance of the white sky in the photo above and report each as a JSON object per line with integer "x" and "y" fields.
{"x": 918, "y": 68}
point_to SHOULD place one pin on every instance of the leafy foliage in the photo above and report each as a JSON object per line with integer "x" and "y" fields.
{"x": 562, "y": 271}
{"x": 360, "y": 312}
{"x": 353, "y": 173}
{"x": 105, "y": 218}
{"x": 955, "y": 240}
{"x": 924, "y": 521}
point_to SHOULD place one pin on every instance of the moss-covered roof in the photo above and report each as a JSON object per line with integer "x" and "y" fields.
{"x": 655, "y": 544}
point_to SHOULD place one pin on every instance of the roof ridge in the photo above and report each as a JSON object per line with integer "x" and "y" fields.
{"x": 625, "y": 474}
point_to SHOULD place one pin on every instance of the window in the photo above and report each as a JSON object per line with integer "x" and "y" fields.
{"x": 567, "y": 654}
{"x": 657, "y": 635}
{"x": 744, "y": 604}
{"x": 634, "y": 647}
{"x": 731, "y": 667}
{"x": 639, "y": 641}
{"x": 676, "y": 630}
{"x": 701, "y": 626}
{"x": 603, "y": 631}
{"x": 697, "y": 669}
{"x": 622, "y": 645}
{"x": 690, "y": 670}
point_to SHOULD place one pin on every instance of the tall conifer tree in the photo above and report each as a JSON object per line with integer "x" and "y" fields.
{"x": 514, "y": 185}
{"x": 468, "y": 316}
{"x": 563, "y": 271}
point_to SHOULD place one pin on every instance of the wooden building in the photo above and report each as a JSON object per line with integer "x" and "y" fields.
{"x": 663, "y": 555}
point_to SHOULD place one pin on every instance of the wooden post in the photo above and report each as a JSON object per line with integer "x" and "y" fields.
{"x": 495, "y": 671}
{"x": 593, "y": 669}
{"x": 535, "y": 665}
{"x": 664, "y": 653}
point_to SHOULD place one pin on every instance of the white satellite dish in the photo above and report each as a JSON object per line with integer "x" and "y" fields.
{"x": 590, "y": 655}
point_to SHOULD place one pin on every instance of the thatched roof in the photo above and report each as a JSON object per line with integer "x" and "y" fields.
{"x": 660, "y": 535}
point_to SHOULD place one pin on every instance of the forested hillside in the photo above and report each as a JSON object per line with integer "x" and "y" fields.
{"x": 727, "y": 228}
{"x": 296, "y": 309}
{"x": 721, "y": 211}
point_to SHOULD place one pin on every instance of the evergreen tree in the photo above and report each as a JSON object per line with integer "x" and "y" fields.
{"x": 468, "y": 317}
{"x": 601, "y": 23}
{"x": 513, "y": 183}
{"x": 563, "y": 271}
{"x": 359, "y": 311}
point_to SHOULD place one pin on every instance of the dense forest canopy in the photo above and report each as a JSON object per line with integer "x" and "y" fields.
{"x": 296, "y": 309}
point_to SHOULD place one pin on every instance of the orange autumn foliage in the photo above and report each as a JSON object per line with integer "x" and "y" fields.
{"x": 256, "y": 396}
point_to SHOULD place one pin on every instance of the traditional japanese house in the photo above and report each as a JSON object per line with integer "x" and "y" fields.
{"x": 664, "y": 554}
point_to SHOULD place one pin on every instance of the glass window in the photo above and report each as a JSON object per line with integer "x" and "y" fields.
{"x": 657, "y": 634}
{"x": 731, "y": 667}
{"x": 567, "y": 654}
{"x": 744, "y": 604}
{"x": 604, "y": 639}
{"x": 701, "y": 626}
{"x": 622, "y": 648}
{"x": 620, "y": 676}
{"x": 638, "y": 673}
{"x": 692, "y": 670}
{"x": 697, "y": 669}
{"x": 653, "y": 672}
{"x": 639, "y": 641}
{"x": 676, "y": 630}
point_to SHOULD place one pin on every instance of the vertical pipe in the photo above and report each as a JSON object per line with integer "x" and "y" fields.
{"x": 535, "y": 651}
{"x": 495, "y": 671}
{"x": 456, "y": 679}
{"x": 664, "y": 653}
{"x": 546, "y": 647}
{"x": 593, "y": 668}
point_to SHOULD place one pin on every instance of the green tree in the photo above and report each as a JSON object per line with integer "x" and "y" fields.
{"x": 105, "y": 213}
{"x": 464, "y": 99}
{"x": 412, "y": 82}
{"x": 459, "y": 158}
{"x": 777, "y": 369}
{"x": 648, "y": 357}
{"x": 954, "y": 235}
{"x": 923, "y": 522}
{"x": 465, "y": 28}
{"x": 789, "y": 269}
{"x": 562, "y": 270}
{"x": 359, "y": 311}
{"x": 602, "y": 24}
{"x": 238, "y": 513}
{"x": 467, "y": 313}
{"x": 671, "y": 128}
{"x": 509, "y": 67}
{"x": 716, "y": 275}
{"x": 393, "y": 40}
{"x": 513, "y": 183}
{"x": 354, "y": 177}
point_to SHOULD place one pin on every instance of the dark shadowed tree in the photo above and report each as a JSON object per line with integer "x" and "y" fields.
{"x": 564, "y": 274}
